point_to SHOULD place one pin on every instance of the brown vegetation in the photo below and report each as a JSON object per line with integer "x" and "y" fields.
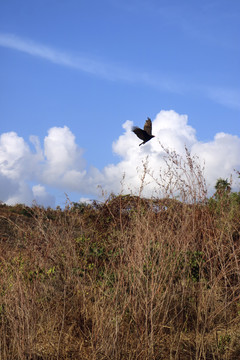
{"x": 127, "y": 279}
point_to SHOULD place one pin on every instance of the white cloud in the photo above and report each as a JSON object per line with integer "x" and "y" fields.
{"x": 16, "y": 159}
{"x": 60, "y": 164}
{"x": 171, "y": 130}
{"x": 63, "y": 158}
{"x": 7, "y": 187}
{"x": 85, "y": 200}
{"x": 13, "y": 150}
{"x": 221, "y": 156}
{"x": 23, "y": 195}
{"x": 19, "y": 166}
{"x": 41, "y": 196}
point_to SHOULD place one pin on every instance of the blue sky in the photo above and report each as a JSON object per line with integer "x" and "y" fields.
{"x": 73, "y": 72}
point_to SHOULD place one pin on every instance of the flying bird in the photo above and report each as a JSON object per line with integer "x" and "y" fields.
{"x": 145, "y": 134}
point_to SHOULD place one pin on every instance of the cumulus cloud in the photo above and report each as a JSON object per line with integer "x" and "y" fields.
{"x": 7, "y": 188}
{"x": 221, "y": 156}
{"x": 64, "y": 164}
{"x": 41, "y": 196}
{"x": 218, "y": 157}
{"x": 19, "y": 166}
{"x": 26, "y": 174}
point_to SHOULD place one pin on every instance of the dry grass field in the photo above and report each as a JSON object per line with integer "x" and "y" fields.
{"x": 129, "y": 278}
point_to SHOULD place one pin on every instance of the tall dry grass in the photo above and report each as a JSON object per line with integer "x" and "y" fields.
{"x": 131, "y": 278}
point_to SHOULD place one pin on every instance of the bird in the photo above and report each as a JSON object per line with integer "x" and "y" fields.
{"x": 145, "y": 134}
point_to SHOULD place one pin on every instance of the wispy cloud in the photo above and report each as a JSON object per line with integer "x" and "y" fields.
{"x": 110, "y": 71}
{"x": 51, "y": 54}
{"x": 225, "y": 96}
{"x": 103, "y": 69}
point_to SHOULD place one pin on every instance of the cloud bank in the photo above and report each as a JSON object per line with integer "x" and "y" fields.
{"x": 26, "y": 174}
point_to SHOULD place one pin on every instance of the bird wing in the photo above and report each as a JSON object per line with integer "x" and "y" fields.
{"x": 139, "y": 132}
{"x": 148, "y": 126}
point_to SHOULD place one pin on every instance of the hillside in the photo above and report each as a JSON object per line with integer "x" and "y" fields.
{"x": 129, "y": 278}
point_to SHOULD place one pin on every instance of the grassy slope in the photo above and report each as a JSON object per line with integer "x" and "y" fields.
{"x": 127, "y": 279}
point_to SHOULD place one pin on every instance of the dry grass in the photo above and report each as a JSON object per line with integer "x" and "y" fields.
{"x": 128, "y": 279}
